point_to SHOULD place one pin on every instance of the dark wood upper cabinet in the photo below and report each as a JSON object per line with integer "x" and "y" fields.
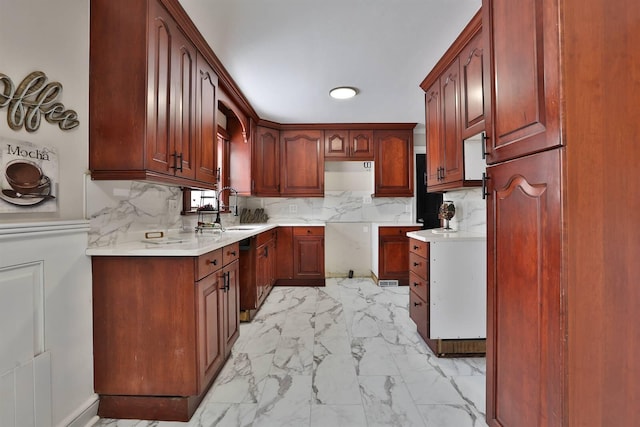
{"x": 302, "y": 163}
{"x": 472, "y": 109}
{"x": 525, "y": 108}
{"x": 393, "y": 163}
{"x": 435, "y": 148}
{"x": 152, "y": 113}
{"x": 206, "y": 146}
{"x": 186, "y": 98}
{"x": 454, "y": 110}
{"x": 336, "y": 144}
{"x": 343, "y": 144}
{"x": 451, "y": 160}
{"x": 266, "y": 162}
{"x": 295, "y": 168}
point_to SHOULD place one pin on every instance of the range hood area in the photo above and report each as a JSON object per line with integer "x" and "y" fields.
{"x": 356, "y": 176}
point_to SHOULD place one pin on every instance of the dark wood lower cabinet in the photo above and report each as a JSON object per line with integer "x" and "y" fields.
{"x": 257, "y": 275}
{"x": 393, "y": 253}
{"x": 308, "y": 253}
{"x": 419, "y": 313}
{"x": 301, "y": 260}
{"x": 163, "y": 327}
{"x": 230, "y": 303}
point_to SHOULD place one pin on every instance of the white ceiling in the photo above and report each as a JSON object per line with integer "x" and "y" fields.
{"x": 285, "y": 55}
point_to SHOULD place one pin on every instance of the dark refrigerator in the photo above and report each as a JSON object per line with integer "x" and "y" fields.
{"x": 427, "y": 204}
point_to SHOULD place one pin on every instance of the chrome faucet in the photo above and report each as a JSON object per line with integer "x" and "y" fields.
{"x": 231, "y": 190}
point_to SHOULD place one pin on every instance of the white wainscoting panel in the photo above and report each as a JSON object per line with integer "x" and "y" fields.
{"x": 46, "y": 348}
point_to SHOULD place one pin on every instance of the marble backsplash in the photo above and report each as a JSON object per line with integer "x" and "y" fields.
{"x": 335, "y": 206}
{"x": 121, "y": 211}
{"x": 471, "y": 210}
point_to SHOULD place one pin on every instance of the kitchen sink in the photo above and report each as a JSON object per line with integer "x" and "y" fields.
{"x": 246, "y": 227}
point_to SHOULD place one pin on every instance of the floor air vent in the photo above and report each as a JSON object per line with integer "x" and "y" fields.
{"x": 387, "y": 283}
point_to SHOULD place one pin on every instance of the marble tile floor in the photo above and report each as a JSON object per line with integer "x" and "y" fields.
{"x": 343, "y": 355}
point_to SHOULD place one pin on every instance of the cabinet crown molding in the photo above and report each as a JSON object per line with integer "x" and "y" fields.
{"x": 472, "y": 28}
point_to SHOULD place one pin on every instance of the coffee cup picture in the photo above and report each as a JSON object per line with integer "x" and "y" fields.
{"x": 28, "y": 185}
{"x": 28, "y": 177}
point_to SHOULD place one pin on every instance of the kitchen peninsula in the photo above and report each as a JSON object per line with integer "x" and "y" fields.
{"x": 447, "y": 300}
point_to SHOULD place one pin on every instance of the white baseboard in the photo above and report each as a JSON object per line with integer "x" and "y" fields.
{"x": 85, "y": 416}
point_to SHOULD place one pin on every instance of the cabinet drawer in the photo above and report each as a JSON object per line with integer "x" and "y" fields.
{"x": 208, "y": 263}
{"x": 396, "y": 231}
{"x": 418, "y": 265}
{"x": 230, "y": 253}
{"x": 419, "y": 285}
{"x": 308, "y": 231}
{"x": 419, "y": 313}
{"x": 419, "y": 248}
{"x": 264, "y": 237}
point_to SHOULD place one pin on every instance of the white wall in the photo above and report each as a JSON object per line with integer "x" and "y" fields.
{"x": 52, "y": 37}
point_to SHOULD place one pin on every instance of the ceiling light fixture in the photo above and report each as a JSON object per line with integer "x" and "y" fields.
{"x": 343, "y": 92}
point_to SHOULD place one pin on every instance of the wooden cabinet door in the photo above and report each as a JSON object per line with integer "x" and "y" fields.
{"x": 393, "y": 163}
{"x": 273, "y": 262}
{"x": 433, "y": 119}
{"x": 361, "y": 145}
{"x": 147, "y": 340}
{"x": 336, "y": 144}
{"x": 526, "y": 332}
{"x": 210, "y": 318}
{"x": 231, "y": 312}
{"x": 522, "y": 77}
{"x": 472, "y": 93}
{"x": 262, "y": 271}
{"x": 343, "y": 144}
{"x": 450, "y": 97}
{"x": 393, "y": 252}
{"x": 206, "y": 135}
{"x": 308, "y": 252}
{"x": 266, "y": 180}
{"x": 160, "y": 110}
{"x": 171, "y": 86}
{"x": 302, "y": 163}
{"x": 184, "y": 67}
{"x": 419, "y": 313}
{"x": 284, "y": 254}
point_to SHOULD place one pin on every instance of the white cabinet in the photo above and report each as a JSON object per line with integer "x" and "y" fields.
{"x": 458, "y": 301}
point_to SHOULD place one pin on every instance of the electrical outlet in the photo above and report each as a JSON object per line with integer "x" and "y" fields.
{"x": 366, "y": 200}
{"x": 173, "y": 205}
{"x": 293, "y": 208}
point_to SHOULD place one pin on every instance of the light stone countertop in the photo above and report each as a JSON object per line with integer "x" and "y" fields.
{"x": 190, "y": 244}
{"x": 430, "y": 236}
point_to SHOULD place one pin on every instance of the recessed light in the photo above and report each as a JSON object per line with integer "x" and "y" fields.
{"x": 343, "y": 92}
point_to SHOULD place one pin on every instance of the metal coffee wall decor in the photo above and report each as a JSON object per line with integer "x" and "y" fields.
{"x": 28, "y": 177}
{"x": 32, "y": 99}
